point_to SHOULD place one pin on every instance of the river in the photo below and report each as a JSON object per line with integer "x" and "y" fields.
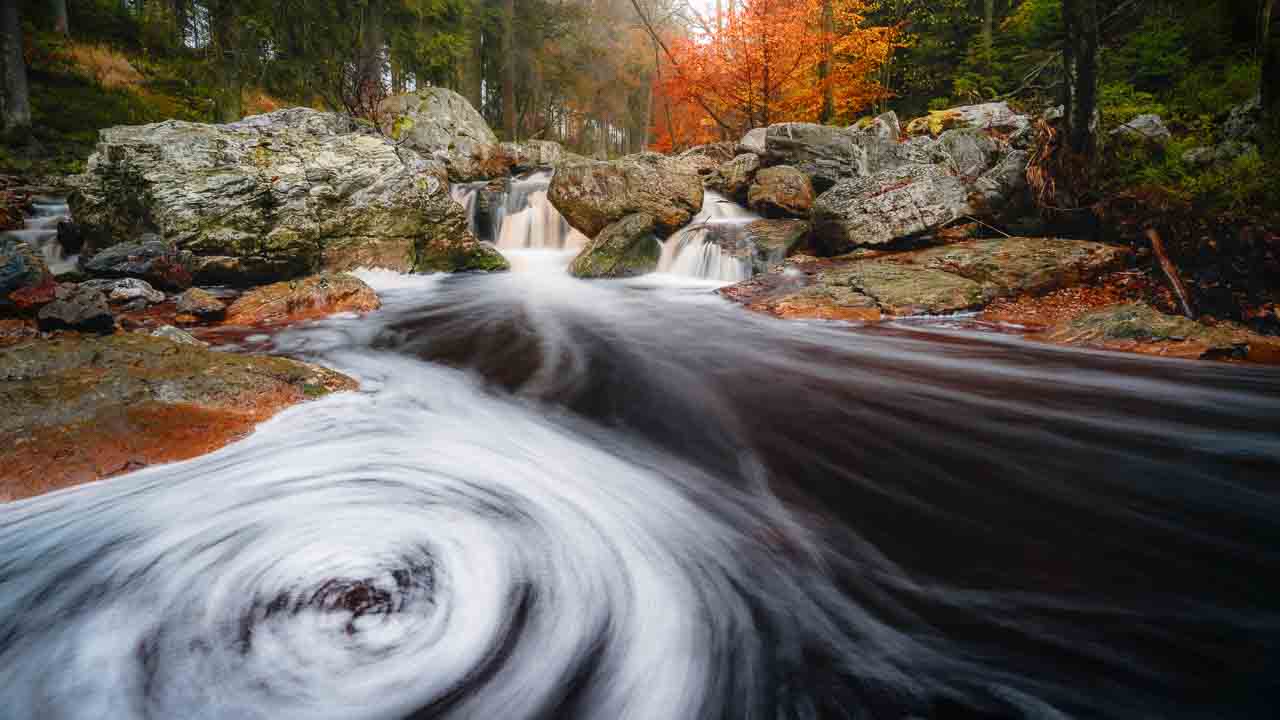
{"x": 559, "y": 498}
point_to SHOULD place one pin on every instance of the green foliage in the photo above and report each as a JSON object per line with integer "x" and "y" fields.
{"x": 1119, "y": 102}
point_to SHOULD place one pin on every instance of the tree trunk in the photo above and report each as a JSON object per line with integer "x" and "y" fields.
{"x": 180, "y": 21}
{"x": 17, "y": 101}
{"x": 474, "y": 80}
{"x": 60, "y": 23}
{"x": 1270, "y": 90}
{"x": 1080, "y": 55}
{"x": 228, "y": 104}
{"x": 824, "y": 67}
{"x": 645, "y": 136}
{"x": 509, "y": 68}
{"x": 371, "y": 66}
{"x": 988, "y": 30}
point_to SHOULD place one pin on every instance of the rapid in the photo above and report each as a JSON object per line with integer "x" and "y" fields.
{"x": 556, "y": 498}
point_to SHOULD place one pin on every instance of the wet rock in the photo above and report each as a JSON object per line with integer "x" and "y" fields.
{"x": 892, "y": 204}
{"x": 126, "y": 290}
{"x": 533, "y": 154}
{"x": 177, "y": 335}
{"x": 594, "y": 194}
{"x": 1138, "y": 327}
{"x": 826, "y": 154}
{"x": 940, "y": 280}
{"x": 157, "y": 261}
{"x": 625, "y": 248}
{"x": 302, "y": 299}
{"x": 734, "y": 178}
{"x": 264, "y": 198}
{"x": 76, "y": 307}
{"x": 70, "y": 238}
{"x": 439, "y": 123}
{"x": 25, "y": 281}
{"x": 201, "y": 304}
{"x": 1146, "y": 128}
{"x": 774, "y": 240}
{"x": 104, "y": 405}
{"x": 781, "y": 191}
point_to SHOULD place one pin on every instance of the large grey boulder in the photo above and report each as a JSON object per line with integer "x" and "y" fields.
{"x": 158, "y": 262}
{"x": 273, "y": 196}
{"x": 753, "y": 141}
{"x": 532, "y": 154}
{"x": 626, "y": 248}
{"x": 733, "y": 178}
{"x": 996, "y": 116}
{"x": 826, "y": 154}
{"x": 891, "y": 204}
{"x": 965, "y": 151}
{"x": 439, "y": 123}
{"x": 705, "y": 159}
{"x": 592, "y": 194}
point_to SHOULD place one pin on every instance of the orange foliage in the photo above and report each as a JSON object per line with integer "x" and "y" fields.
{"x": 761, "y": 67}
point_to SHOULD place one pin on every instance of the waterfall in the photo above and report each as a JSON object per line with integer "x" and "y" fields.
{"x": 516, "y": 215}
{"x": 41, "y": 233}
{"x": 713, "y": 245}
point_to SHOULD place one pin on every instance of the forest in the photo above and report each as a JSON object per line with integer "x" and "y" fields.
{"x": 612, "y": 77}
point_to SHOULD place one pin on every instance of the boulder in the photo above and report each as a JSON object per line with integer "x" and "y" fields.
{"x": 965, "y": 151}
{"x": 269, "y": 197}
{"x": 781, "y": 191}
{"x": 306, "y": 298}
{"x": 76, "y": 307}
{"x": 705, "y": 159}
{"x": 593, "y": 194}
{"x": 126, "y": 290}
{"x": 1244, "y": 122}
{"x": 1146, "y": 128}
{"x": 626, "y": 248}
{"x": 826, "y": 154}
{"x": 733, "y": 178}
{"x": 201, "y": 305}
{"x": 25, "y": 281}
{"x": 891, "y": 204}
{"x": 1138, "y": 327}
{"x": 157, "y": 261}
{"x": 754, "y": 141}
{"x": 885, "y": 126}
{"x": 1223, "y": 152}
{"x": 967, "y": 275}
{"x": 1002, "y": 190}
{"x": 106, "y": 405}
{"x": 996, "y": 116}
{"x": 441, "y": 124}
{"x": 774, "y": 240}
{"x": 533, "y": 154}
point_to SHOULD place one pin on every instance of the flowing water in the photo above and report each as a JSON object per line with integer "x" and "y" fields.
{"x": 41, "y": 232}
{"x": 713, "y": 245}
{"x": 556, "y": 499}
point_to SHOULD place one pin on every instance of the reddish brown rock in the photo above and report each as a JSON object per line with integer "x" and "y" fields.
{"x": 304, "y": 299}
{"x": 80, "y": 408}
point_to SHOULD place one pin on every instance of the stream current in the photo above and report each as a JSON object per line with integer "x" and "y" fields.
{"x": 556, "y": 498}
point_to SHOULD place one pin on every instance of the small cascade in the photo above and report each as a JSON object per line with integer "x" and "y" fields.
{"x": 41, "y": 233}
{"x": 713, "y": 246}
{"x": 515, "y": 214}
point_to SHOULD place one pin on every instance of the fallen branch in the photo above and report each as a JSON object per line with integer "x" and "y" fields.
{"x": 1170, "y": 272}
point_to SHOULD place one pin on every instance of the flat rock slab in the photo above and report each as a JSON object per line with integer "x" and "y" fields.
{"x": 1140, "y": 328}
{"x": 307, "y": 298}
{"x": 80, "y": 408}
{"x": 935, "y": 281}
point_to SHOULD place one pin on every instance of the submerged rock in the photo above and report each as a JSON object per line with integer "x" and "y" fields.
{"x": 269, "y": 197}
{"x": 294, "y": 300}
{"x": 25, "y": 281}
{"x": 106, "y": 405}
{"x": 626, "y": 248}
{"x": 77, "y": 307}
{"x": 594, "y": 194}
{"x": 1138, "y": 327}
{"x": 781, "y": 191}
{"x": 940, "y": 280}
